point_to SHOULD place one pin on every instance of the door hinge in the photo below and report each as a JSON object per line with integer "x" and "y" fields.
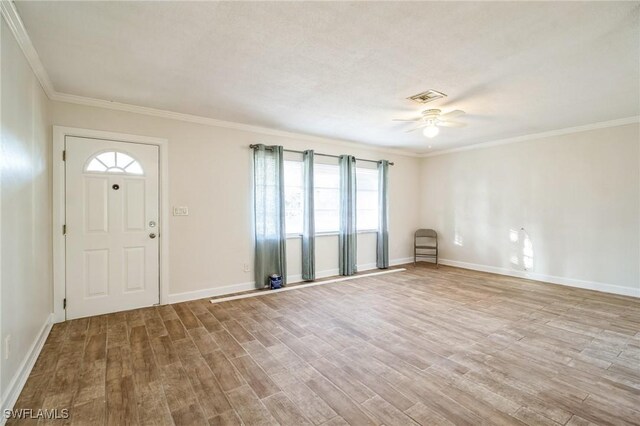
{"x": 64, "y": 229}
{"x": 64, "y": 155}
{"x": 64, "y": 303}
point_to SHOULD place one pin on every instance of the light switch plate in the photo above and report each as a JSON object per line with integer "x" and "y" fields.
{"x": 181, "y": 211}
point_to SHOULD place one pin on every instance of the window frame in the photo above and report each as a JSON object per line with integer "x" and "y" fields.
{"x": 294, "y": 235}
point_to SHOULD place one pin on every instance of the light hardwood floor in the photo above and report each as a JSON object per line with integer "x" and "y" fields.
{"x": 426, "y": 346}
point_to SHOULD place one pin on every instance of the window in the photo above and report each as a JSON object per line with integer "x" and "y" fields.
{"x": 367, "y": 199}
{"x": 327, "y": 197}
{"x": 293, "y": 196}
{"x": 114, "y": 162}
{"x": 326, "y": 179}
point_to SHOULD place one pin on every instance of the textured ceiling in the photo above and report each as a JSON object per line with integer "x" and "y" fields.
{"x": 343, "y": 69}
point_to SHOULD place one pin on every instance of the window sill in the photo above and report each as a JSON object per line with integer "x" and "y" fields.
{"x": 328, "y": 234}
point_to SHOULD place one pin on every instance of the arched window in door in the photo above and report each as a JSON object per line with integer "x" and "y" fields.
{"x": 113, "y": 162}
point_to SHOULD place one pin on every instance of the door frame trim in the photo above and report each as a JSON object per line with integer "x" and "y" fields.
{"x": 58, "y": 202}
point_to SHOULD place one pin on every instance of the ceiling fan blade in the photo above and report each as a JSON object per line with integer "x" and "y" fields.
{"x": 451, "y": 114}
{"x": 408, "y": 119}
{"x": 451, "y": 124}
{"x": 416, "y": 128}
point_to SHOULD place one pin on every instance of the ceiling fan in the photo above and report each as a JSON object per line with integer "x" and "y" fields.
{"x": 431, "y": 119}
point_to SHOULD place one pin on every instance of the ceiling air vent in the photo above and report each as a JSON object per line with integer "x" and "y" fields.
{"x": 428, "y": 96}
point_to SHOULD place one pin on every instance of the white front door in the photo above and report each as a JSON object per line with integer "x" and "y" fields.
{"x": 112, "y": 226}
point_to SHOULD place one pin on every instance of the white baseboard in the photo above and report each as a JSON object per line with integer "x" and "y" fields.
{"x": 210, "y": 292}
{"x": 306, "y": 285}
{"x": 297, "y": 278}
{"x": 237, "y": 288}
{"x": 401, "y": 261}
{"x": 571, "y": 282}
{"x": 292, "y": 279}
{"x": 22, "y": 374}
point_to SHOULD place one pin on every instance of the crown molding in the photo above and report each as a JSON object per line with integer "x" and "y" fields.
{"x": 172, "y": 115}
{"x": 10, "y": 14}
{"x": 533, "y": 136}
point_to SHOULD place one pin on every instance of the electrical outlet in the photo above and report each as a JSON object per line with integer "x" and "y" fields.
{"x": 246, "y": 267}
{"x": 7, "y": 346}
{"x": 181, "y": 211}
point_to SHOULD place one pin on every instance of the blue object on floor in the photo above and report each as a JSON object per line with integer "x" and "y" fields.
{"x": 275, "y": 281}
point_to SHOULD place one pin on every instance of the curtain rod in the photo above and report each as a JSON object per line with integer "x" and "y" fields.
{"x": 323, "y": 155}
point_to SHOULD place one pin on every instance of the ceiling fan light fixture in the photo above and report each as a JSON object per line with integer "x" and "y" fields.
{"x": 431, "y": 131}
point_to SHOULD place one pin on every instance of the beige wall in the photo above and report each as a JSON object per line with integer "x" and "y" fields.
{"x": 576, "y": 195}
{"x": 25, "y": 291}
{"x": 210, "y": 172}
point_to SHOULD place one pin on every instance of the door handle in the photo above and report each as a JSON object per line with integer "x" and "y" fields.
{"x": 152, "y": 235}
